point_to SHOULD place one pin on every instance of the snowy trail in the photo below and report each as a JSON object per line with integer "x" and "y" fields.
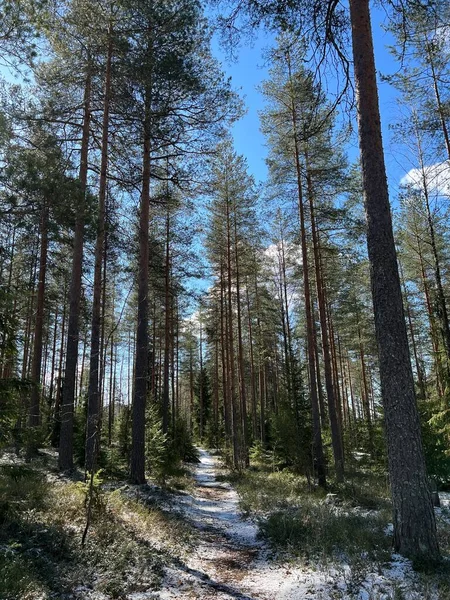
{"x": 229, "y": 563}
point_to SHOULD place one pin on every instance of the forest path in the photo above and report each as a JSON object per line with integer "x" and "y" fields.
{"x": 229, "y": 562}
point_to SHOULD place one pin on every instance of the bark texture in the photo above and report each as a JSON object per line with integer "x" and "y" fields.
{"x": 68, "y": 397}
{"x": 137, "y": 466}
{"x": 93, "y": 418}
{"x": 34, "y": 417}
{"x": 414, "y": 521}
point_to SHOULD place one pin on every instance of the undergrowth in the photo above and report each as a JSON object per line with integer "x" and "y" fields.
{"x": 307, "y": 523}
{"x": 317, "y": 530}
{"x": 346, "y": 525}
{"x": 42, "y": 519}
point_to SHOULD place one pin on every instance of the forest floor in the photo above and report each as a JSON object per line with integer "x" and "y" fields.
{"x": 221, "y": 537}
{"x": 231, "y": 562}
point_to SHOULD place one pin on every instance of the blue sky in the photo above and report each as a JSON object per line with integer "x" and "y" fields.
{"x": 249, "y": 71}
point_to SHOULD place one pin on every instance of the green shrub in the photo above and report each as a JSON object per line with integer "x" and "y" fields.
{"x": 123, "y": 432}
{"x": 21, "y": 489}
{"x": 290, "y": 439}
{"x": 12, "y": 413}
{"x": 182, "y": 443}
{"x": 16, "y": 581}
{"x": 435, "y": 418}
{"x": 319, "y": 530}
{"x": 156, "y": 446}
{"x": 259, "y": 455}
{"x": 79, "y": 433}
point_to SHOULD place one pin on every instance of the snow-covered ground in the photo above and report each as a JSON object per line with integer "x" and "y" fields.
{"x": 230, "y": 563}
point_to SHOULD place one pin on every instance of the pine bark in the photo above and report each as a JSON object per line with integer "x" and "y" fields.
{"x": 414, "y": 521}
{"x": 230, "y": 341}
{"x": 167, "y": 302}
{"x": 137, "y": 466}
{"x": 93, "y": 416}
{"x": 319, "y": 458}
{"x": 34, "y": 416}
{"x": 336, "y": 436}
{"x": 65, "y": 460}
{"x": 242, "y": 389}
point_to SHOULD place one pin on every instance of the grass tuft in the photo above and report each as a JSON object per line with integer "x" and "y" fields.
{"x": 317, "y": 530}
{"x": 42, "y": 520}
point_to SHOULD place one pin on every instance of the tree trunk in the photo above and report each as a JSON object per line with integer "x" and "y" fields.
{"x": 336, "y": 436}
{"x": 414, "y": 521}
{"x": 319, "y": 458}
{"x": 53, "y": 363}
{"x": 433, "y": 334}
{"x": 365, "y": 394}
{"x": 224, "y": 358}
{"x": 65, "y": 460}
{"x": 252, "y": 367}
{"x": 29, "y": 318}
{"x": 230, "y": 339}
{"x": 261, "y": 364}
{"x": 420, "y": 379}
{"x": 137, "y": 466}
{"x": 93, "y": 415}
{"x": 34, "y": 409}
{"x": 167, "y": 302}
{"x": 57, "y": 412}
{"x": 243, "y": 393}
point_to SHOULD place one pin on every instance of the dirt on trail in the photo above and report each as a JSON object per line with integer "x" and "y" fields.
{"x": 229, "y": 561}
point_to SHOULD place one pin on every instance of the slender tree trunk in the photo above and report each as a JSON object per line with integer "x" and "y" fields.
{"x": 177, "y": 362}
{"x": 191, "y": 385}
{"x": 165, "y": 395}
{"x": 57, "y": 414}
{"x": 285, "y": 341}
{"x": 44, "y": 369}
{"x": 53, "y": 363}
{"x": 261, "y": 364}
{"x": 243, "y": 393}
{"x": 230, "y": 339}
{"x": 173, "y": 359}
{"x": 93, "y": 414}
{"x": 345, "y": 404}
{"x": 5, "y": 361}
{"x": 431, "y": 319}
{"x": 419, "y": 372}
{"x": 365, "y": 394}
{"x": 350, "y": 387}
{"x": 223, "y": 330}
{"x": 336, "y": 436}
{"x": 103, "y": 337}
{"x": 29, "y": 318}
{"x": 201, "y": 398}
{"x": 252, "y": 367}
{"x": 83, "y": 364}
{"x": 137, "y": 467}
{"x": 216, "y": 393}
{"x": 65, "y": 460}
{"x": 414, "y": 521}
{"x": 285, "y": 321}
{"x": 112, "y": 384}
{"x": 34, "y": 416}
{"x": 319, "y": 458}
{"x": 322, "y": 409}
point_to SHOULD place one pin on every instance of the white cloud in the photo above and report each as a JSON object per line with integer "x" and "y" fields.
{"x": 437, "y": 177}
